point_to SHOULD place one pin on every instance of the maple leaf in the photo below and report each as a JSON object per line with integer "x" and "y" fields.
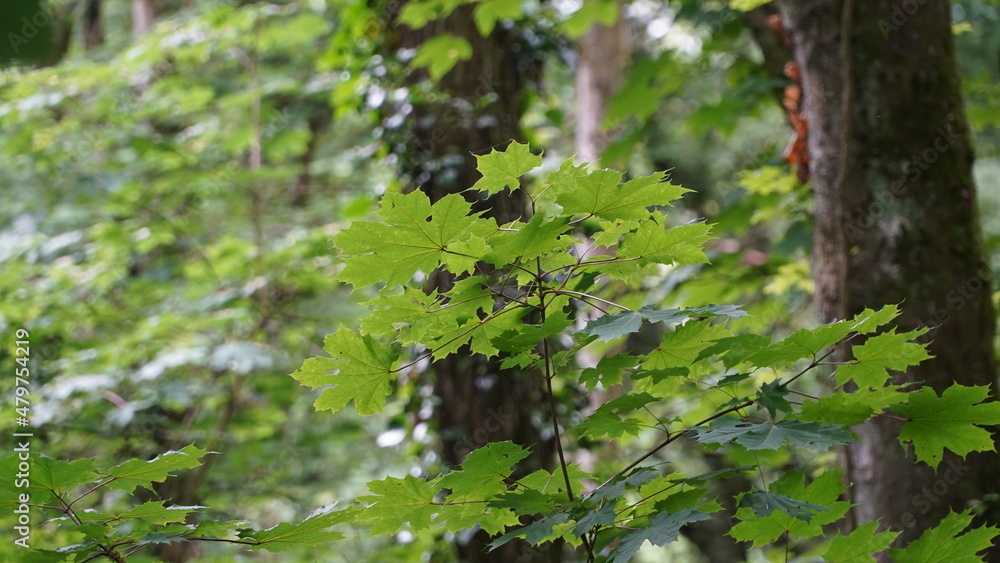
{"x": 141, "y": 473}
{"x": 860, "y": 546}
{"x": 880, "y": 353}
{"x": 823, "y": 491}
{"x": 536, "y": 532}
{"x": 503, "y": 169}
{"x": 313, "y": 530}
{"x": 520, "y": 242}
{"x": 652, "y": 243}
{"x": 394, "y": 502}
{"x": 413, "y": 235}
{"x": 951, "y": 421}
{"x": 154, "y": 512}
{"x": 772, "y": 435}
{"x": 608, "y": 327}
{"x": 661, "y": 530}
{"x": 484, "y": 471}
{"x": 607, "y": 419}
{"x": 809, "y": 342}
{"x": 682, "y": 346}
{"x": 847, "y": 409}
{"x": 609, "y": 371}
{"x": 943, "y": 544}
{"x": 600, "y": 194}
{"x": 363, "y": 371}
{"x": 764, "y": 503}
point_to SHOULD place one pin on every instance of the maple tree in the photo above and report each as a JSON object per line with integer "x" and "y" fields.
{"x": 522, "y": 284}
{"x": 537, "y": 292}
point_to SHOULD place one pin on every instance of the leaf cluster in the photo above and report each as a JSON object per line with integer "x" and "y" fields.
{"x": 521, "y": 287}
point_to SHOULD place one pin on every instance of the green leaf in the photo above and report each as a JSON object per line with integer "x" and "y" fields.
{"x": 609, "y": 371}
{"x": 662, "y": 529}
{"x": 616, "y": 488}
{"x": 772, "y": 397}
{"x": 804, "y": 343}
{"x": 951, "y": 421}
{"x": 869, "y": 321}
{"x": 486, "y": 336}
{"x": 733, "y": 350}
{"x": 943, "y": 544}
{"x": 763, "y": 503}
{"x": 521, "y": 242}
{"x": 441, "y": 53}
{"x": 604, "y": 12}
{"x": 484, "y": 472}
{"x": 57, "y": 475}
{"x": 600, "y": 194}
{"x": 406, "y": 311}
{"x": 314, "y": 530}
{"x": 609, "y": 327}
{"x": 603, "y": 516}
{"x": 466, "y": 516}
{"x": 773, "y": 435}
{"x": 534, "y": 533}
{"x": 138, "y": 473}
{"x": 154, "y": 512}
{"x": 847, "y": 409}
{"x": 823, "y": 491}
{"x": 462, "y": 256}
{"x": 489, "y": 12}
{"x": 417, "y": 13}
{"x": 363, "y": 372}
{"x": 860, "y": 546}
{"x": 807, "y": 343}
{"x": 608, "y": 419}
{"x": 651, "y": 243}
{"x": 880, "y": 353}
{"x": 681, "y": 347}
{"x": 412, "y": 236}
{"x": 746, "y": 5}
{"x": 503, "y": 169}
{"x": 395, "y": 502}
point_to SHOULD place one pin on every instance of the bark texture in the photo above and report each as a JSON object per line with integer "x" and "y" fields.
{"x": 477, "y": 401}
{"x": 896, "y": 221}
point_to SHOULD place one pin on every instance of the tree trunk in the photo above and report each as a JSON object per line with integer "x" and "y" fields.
{"x": 93, "y": 30}
{"x": 478, "y": 402}
{"x": 143, "y": 17}
{"x": 896, "y": 221}
{"x": 604, "y": 52}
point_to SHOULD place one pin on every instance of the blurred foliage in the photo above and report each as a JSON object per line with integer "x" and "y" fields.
{"x": 169, "y": 202}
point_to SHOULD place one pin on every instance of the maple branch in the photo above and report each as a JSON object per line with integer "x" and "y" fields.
{"x": 589, "y": 296}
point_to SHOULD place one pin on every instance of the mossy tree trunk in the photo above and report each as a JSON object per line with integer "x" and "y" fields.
{"x": 896, "y": 221}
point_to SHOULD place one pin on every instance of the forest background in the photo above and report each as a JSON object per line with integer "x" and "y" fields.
{"x": 178, "y": 174}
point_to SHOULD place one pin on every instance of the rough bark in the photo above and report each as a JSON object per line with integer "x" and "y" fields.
{"x": 896, "y": 221}
{"x": 477, "y": 401}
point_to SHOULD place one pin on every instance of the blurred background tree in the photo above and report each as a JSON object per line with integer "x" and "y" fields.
{"x": 175, "y": 168}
